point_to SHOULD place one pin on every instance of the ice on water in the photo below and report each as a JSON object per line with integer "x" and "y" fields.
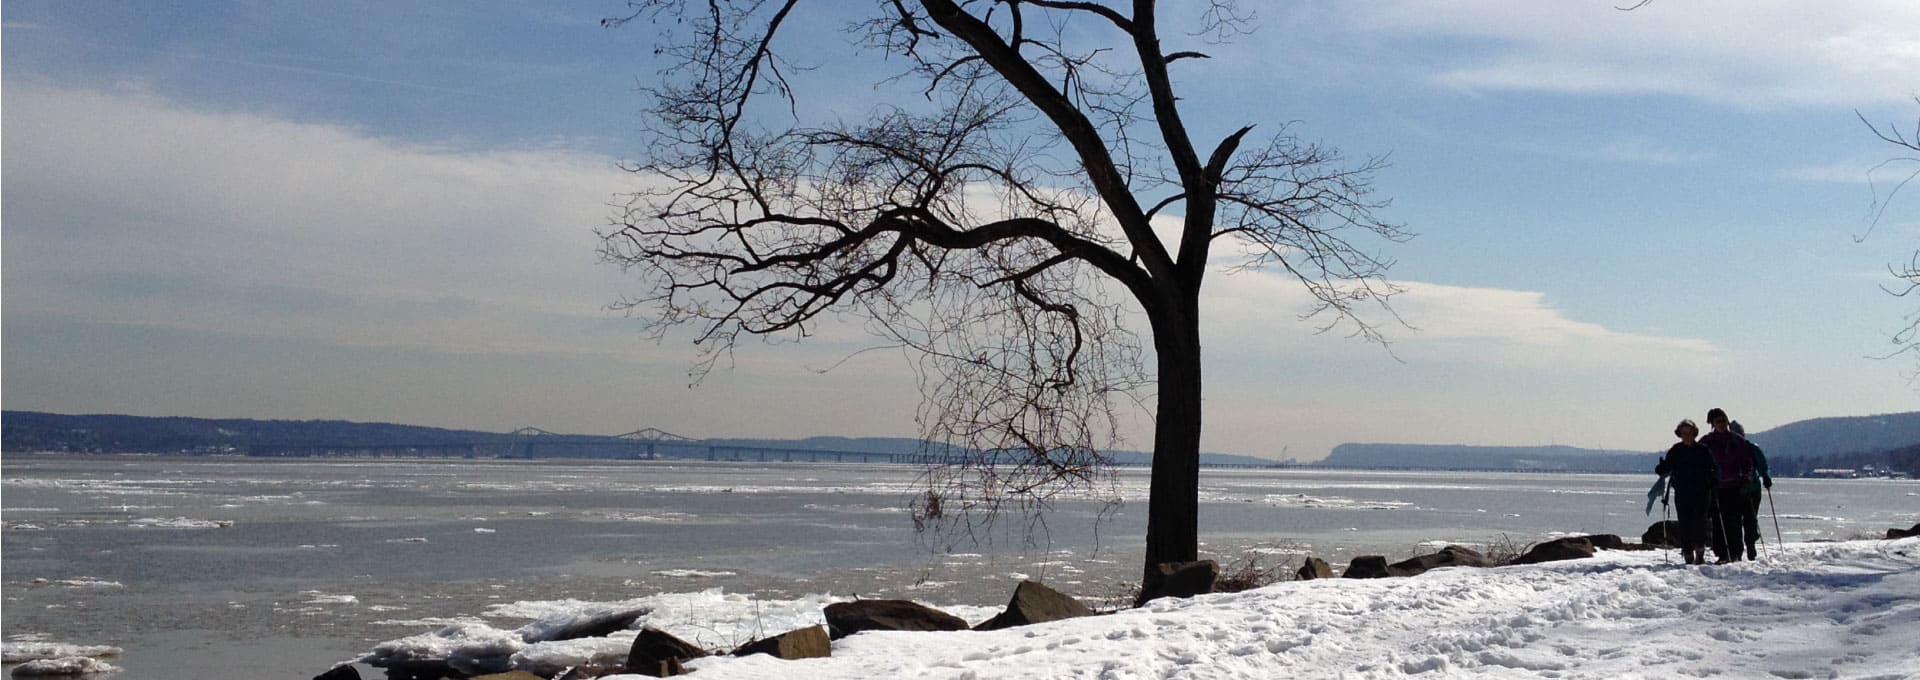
{"x": 66, "y": 666}
{"x": 21, "y": 651}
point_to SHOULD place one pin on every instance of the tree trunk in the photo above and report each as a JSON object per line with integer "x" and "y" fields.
{"x": 1173, "y": 501}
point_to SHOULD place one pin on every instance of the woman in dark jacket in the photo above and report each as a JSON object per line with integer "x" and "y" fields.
{"x": 1691, "y": 475}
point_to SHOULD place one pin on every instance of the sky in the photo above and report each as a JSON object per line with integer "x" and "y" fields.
{"x": 385, "y": 212}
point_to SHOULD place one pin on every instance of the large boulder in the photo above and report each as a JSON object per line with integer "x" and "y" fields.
{"x": 1312, "y": 569}
{"x": 1033, "y": 602}
{"x": 1903, "y": 533}
{"x": 340, "y": 672}
{"x": 806, "y": 643}
{"x": 1178, "y": 579}
{"x": 1662, "y": 534}
{"x": 1450, "y": 556}
{"x": 1569, "y": 548}
{"x": 847, "y": 618}
{"x": 422, "y": 669}
{"x": 1606, "y": 541}
{"x": 1367, "y": 566}
{"x": 659, "y": 654}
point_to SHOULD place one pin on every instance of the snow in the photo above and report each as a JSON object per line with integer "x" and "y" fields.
{"x": 17, "y": 651}
{"x": 180, "y": 523}
{"x": 472, "y": 648}
{"x": 548, "y": 659}
{"x": 693, "y": 573}
{"x": 317, "y": 597}
{"x": 64, "y": 666}
{"x": 1814, "y": 610}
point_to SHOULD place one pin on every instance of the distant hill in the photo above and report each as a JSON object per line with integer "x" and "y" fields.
{"x": 106, "y": 433}
{"x": 1888, "y": 441}
{"x": 1793, "y": 448}
{"x": 1828, "y": 436}
{"x": 1465, "y": 457}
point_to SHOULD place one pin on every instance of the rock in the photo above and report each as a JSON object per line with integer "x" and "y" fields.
{"x": 1367, "y": 566}
{"x": 1035, "y": 603}
{"x": 1450, "y": 556}
{"x": 1903, "y": 533}
{"x": 422, "y": 669}
{"x": 806, "y": 643}
{"x": 847, "y": 618}
{"x": 1312, "y": 569}
{"x": 65, "y": 666}
{"x": 571, "y": 627}
{"x": 1178, "y": 579}
{"x": 1569, "y": 548}
{"x": 659, "y": 654}
{"x": 1662, "y": 534}
{"x": 1605, "y": 541}
{"x": 340, "y": 672}
{"x": 510, "y": 675}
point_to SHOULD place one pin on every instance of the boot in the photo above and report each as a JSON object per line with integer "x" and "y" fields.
{"x": 1750, "y": 554}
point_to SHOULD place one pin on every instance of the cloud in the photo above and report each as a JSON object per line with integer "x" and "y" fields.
{"x": 1447, "y": 324}
{"x": 1755, "y": 54}
{"x": 1640, "y": 151}
{"x": 127, "y": 208}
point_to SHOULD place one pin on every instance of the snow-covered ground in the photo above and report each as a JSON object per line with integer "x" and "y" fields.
{"x": 1848, "y": 610}
{"x": 1815, "y": 610}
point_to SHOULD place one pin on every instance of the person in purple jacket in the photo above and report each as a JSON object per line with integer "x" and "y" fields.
{"x": 1733, "y": 458}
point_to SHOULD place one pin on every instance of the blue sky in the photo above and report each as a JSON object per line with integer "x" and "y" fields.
{"x": 384, "y": 211}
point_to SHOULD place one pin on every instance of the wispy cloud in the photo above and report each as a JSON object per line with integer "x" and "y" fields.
{"x": 124, "y": 207}
{"x": 1640, "y": 151}
{"x": 1758, "y": 54}
{"x": 1449, "y": 324}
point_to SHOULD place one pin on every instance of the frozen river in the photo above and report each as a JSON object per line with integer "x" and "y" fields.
{"x": 205, "y": 567}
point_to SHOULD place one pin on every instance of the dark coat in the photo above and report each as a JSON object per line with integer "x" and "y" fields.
{"x": 1690, "y": 469}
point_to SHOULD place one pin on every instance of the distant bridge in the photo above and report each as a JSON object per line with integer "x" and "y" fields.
{"x": 643, "y": 444}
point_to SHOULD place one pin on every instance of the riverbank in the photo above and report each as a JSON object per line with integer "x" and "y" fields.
{"x": 1844, "y": 609}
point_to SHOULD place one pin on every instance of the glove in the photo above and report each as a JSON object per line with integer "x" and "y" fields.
{"x": 1768, "y": 482}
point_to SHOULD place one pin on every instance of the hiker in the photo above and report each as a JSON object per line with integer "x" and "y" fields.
{"x": 1733, "y": 458}
{"x": 1691, "y": 470}
{"x": 1757, "y": 484}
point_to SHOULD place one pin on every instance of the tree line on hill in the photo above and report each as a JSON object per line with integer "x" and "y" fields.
{"x": 1887, "y": 442}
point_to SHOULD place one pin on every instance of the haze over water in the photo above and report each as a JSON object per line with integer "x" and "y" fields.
{"x": 199, "y": 566}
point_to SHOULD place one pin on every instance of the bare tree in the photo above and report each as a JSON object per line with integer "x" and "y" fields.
{"x": 1904, "y": 168}
{"x": 999, "y": 223}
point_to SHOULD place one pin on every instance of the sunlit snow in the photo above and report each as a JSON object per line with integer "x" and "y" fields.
{"x": 1812, "y": 610}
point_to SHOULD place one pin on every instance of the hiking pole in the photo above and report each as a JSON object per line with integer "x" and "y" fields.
{"x": 1777, "y": 540}
{"x": 1666, "y": 534}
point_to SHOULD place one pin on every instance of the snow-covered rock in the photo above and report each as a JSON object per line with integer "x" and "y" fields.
{"x": 20, "y": 651}
{"x": 63, "y": 666}
{"x": 471, "y": 648}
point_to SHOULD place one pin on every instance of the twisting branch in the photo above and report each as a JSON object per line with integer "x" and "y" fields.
{"x": 1906, "y": 168}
